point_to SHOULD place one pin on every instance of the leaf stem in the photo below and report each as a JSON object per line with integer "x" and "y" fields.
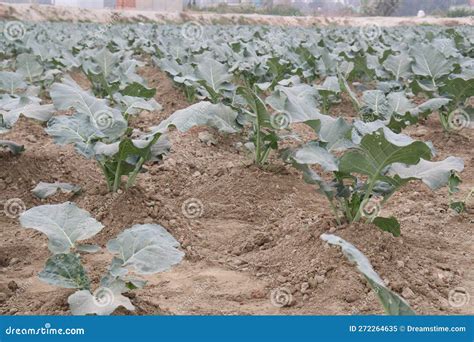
{"x": 133, "y": 176}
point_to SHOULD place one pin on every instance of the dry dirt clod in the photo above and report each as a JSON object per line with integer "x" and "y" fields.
{"x": 13, "y": 286}
{"x": 408, "y": 293}
{"x": 3, "y": 297}
{"x": 207, "y": 138}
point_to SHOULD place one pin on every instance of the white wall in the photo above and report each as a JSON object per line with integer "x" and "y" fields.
{"x": 93, "y": 4}
{"x": 160, "y": 5}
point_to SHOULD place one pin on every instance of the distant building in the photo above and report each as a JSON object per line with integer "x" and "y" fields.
{"x": 160, "y": 5}
{"x": 90, "y": 4}
{"x": 143, "y": 5}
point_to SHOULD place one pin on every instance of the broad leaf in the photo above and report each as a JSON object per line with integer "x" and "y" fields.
{"x": 390, "y": 225}
{"x": 12, "y": 146}
{"x": 202, "y": 114}
{"x": 138, "y": 90}
{"x": 148, "y": 248}
{"x": 28, "y": 66}
{"x": 45, "y": 190}
{"x": 312, "y": 153}
{"x": 431, "y": 63}
{"x": 65, "y": 270}
{"x": 64, "y": 225}
{"x": 377, "y": 103}
{"x": 11, "y": 81}
{"x": 433, "y": 174}
{"x": 214, "y": 74}
{"x": 398, "y": 65}
{"x": 393, "y": 304}
{"x": 103, "y": 302}
{"x": 375, "y": 154}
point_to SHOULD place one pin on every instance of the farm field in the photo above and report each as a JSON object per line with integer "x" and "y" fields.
{"x": 232, "y": 159}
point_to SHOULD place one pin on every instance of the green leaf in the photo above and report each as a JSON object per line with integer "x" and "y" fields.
{"x": 106, "y": 61}
{"x": 375, "y": 153}
{"x": 64, "y": 225}
{"x": 103, "y": 302}
{"x": 28, "y": 66}
{"x": 398, "y": 65}
{"x": 399, "y": 103}
{"x": 393, "y": 304}
{"x": 431, "y": 63}
{"x": 108, "y": 120}
{"x": 215, "y": 76}
{"x": 203, "y": 113}
{"x": 138, "y": 90}
{"x": 300, "y": 102}
{"x": 433, "y": 174}
{"x": 11, "y": 81}
{"x": 148, "y": 248}
{"x": 312, "y": 153}
{"x": 390, "y": 225}
{"x": 12, "y": 146}
{"x": 45, "y": 190}
{"x": 65, "y": 270}
{"x": 459, "y": 207}
{"x": 377, "y": 103}
{"x": 134, "y": 105}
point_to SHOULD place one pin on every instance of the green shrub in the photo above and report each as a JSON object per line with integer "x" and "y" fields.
{"x": 460, "y": 11}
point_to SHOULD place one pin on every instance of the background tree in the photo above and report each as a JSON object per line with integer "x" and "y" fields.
{"x": 379, "y": 7}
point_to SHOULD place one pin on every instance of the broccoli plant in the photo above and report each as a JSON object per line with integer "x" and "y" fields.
{"x": 18, "y": 98}
{"x": 101, "y": 132}
{"x": 111, "y": 73}
{"x": 142, "y": 249}
{"x": 458, "y": 206}
{"x": 369, "y": 163}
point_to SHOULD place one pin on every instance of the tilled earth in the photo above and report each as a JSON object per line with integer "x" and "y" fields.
{"x": 255, "y": 232}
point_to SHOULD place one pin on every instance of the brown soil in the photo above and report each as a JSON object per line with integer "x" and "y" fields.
{"x": 259, "y": 230}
